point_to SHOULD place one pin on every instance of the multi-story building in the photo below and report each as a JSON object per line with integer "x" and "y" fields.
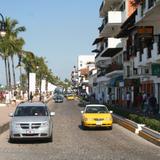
{"x": 109, "y": 49}
{"x": 84, "y": 65}
{"x": 142, "y": 53}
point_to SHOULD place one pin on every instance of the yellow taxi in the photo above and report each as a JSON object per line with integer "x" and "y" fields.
{"x": 96, "y": 115}
{"x": 70, "y": 97}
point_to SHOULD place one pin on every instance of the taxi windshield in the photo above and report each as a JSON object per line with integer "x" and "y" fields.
{"x": 96, "y": 109}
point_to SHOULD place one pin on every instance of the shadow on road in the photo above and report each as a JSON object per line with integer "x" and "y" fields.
{"x": 29, "y": 141}
{"x": 93, "y": 129}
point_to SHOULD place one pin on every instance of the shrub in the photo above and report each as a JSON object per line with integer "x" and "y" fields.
{"x": 151, "y": 123}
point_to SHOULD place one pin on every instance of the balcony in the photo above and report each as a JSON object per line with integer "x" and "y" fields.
{"x": 149, "y": 54}
{"x": 107, "y": 5}
{"x": 148, "y": 12}
{"x": 102, "y": 62}
{"x": 111, "y": 24}
{"x": 111, "y": 48}
{"x": 129, "y": 53}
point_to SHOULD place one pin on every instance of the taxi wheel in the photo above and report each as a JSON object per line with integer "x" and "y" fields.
{"x": 83, "y": 127}
{"x": 110, "y": 128}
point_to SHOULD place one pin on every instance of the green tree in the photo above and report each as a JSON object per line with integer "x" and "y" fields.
{"x": 9, "y": 45}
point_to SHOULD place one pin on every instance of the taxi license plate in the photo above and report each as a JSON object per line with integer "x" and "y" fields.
{"x": 99, "y": 123}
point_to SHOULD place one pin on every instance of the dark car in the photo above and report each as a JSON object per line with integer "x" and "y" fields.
{"x": 58, "y": 99}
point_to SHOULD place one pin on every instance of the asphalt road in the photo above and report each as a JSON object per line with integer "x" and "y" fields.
{"x": 70, "y": 142}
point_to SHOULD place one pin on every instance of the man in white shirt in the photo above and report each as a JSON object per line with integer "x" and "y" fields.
{"x": 128, "y": 98}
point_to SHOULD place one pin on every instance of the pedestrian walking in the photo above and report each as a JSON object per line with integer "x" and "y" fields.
{"x": 153, "y": 104}
{"x": 108, "y": 99}
{"x": 147, "y": 106}
{"x": 139, "y": 101}
{"x": 128, "y": 98}
{"x": 7, "y": 98}
{"x": 144, "y": 99}
{"x": 31, "y": 96}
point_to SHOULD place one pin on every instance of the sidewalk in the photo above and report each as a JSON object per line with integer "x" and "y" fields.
{"x": 4, "y": 115}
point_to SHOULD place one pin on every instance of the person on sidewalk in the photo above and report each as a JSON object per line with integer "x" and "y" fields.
{"x": 144, "y": 99}
{"x": 108, "y": 98}
{"x": 146, "y": 108}
{"x": 153, "y": 104}
{"x": 128, "y": 98}
{"x": 139, "y": 101}
{"x": 31, "y": 96}
{"x": 7, "y": 98}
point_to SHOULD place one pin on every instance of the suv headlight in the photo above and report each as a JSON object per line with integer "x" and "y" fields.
{"x": 45, "y": 124}
{"x": 15, "y": 125}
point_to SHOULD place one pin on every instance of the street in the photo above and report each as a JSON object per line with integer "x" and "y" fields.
{"x": 70, "y": 142}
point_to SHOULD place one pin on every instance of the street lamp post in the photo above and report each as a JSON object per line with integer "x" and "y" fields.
{"x": 2, "y": 26}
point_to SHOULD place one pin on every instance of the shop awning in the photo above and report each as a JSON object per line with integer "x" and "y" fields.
{"x": 115, "y": 81}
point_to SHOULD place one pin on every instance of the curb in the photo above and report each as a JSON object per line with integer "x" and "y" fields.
{"x": 139, "y": 129}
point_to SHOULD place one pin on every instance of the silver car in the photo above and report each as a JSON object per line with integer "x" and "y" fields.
{"x": 31, "y": 120}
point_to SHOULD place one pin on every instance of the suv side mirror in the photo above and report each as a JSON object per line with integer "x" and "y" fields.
{"x": 11, "y": 115}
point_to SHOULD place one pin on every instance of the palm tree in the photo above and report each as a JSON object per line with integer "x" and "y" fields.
{"x": 16, "y": 43}
{"x": 4, "y": 56}
{"x": 9, "y": 45}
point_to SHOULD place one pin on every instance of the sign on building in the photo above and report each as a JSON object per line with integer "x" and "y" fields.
{"x": 156, "y": 69}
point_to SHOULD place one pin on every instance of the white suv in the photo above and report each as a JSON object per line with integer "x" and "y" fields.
{"x": 31, "y": 121}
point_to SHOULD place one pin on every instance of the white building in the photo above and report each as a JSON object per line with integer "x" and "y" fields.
{"x": 85, "y": 64}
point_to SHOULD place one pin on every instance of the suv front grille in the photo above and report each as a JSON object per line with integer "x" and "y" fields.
{"x": 35, "y": 125}
{"x": 30, "y": 125}
{"x": 24, "y": 125}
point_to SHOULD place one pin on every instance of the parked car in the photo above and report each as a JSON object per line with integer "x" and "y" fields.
{"x": 31, "y": 121}
{"x": 96, "y": 115}
{"x": 58, "y": 99}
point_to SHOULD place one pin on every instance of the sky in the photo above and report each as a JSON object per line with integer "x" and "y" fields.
{"x": 59, "y": 30}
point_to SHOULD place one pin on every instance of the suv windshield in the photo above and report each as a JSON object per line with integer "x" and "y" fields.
{"x": 31, "y": 111}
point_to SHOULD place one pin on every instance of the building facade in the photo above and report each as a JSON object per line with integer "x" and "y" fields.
{"x": 109, "y": 49}
{"x": 80, "y": 74}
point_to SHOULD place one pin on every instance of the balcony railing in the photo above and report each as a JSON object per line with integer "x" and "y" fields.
{"x": 114, "y": 67}
{"x": 101, "y": 73}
